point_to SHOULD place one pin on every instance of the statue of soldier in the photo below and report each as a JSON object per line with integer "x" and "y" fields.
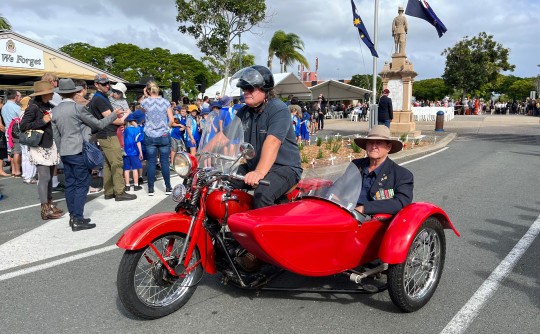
{"x": 399, "y": 32}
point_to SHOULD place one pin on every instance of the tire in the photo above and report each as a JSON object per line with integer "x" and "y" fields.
{"x": 145, "y": 287}
{"x": 411, "y": 284}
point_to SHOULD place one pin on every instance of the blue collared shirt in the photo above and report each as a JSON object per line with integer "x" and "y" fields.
{"x": 368, "y": 178}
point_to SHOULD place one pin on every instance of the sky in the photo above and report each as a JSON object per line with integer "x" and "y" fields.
{"x": 325, "y": 26}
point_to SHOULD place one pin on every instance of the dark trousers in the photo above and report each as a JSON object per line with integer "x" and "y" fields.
{"x": 77, "y": 181}
{"x": 281, "y": 179}
{"x": 320, "y": 122}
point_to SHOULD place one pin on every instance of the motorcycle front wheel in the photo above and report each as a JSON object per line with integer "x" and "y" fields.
{"x": 411, "y": 284}
{"x": 145, "y": 286}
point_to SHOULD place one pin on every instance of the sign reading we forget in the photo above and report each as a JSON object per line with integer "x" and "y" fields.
{"x": 17, "y": 54}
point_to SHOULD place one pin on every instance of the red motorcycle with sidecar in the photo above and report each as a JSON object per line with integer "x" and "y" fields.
{"x": 314, "y": 232}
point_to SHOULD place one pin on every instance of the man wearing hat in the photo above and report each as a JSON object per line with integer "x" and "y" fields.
{"x": 71, "y": 125}
{"x": 385, "y": 113}
{"x": 100, "y": 107}
{"x": 386, "y": 186}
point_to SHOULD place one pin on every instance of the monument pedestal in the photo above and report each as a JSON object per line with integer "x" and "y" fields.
{"x": 398, "y": 78}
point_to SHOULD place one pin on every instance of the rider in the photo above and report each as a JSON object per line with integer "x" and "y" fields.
{"x": 386, "y": 186}
{"x": 267, "y": 126}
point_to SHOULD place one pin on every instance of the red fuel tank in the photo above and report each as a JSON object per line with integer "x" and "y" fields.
{"x": 218, "y": 203}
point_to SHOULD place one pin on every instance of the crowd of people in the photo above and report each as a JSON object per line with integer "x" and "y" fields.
{"x": 146, "y": 133}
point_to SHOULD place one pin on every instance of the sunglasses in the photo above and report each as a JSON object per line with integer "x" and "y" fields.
{"x": 105, "y": 84}
{"x": 116, "y": 92}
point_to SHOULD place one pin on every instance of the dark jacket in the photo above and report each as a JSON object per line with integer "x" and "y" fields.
{"x": 385, "y": 109}
{"x": 33, "y": 120}
{"x": 398, "y": 183}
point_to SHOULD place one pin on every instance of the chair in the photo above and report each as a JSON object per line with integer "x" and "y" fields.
{"x": 354, "y": 117}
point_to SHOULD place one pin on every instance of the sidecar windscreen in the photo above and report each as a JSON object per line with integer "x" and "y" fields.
{"x": 345, "y": 190}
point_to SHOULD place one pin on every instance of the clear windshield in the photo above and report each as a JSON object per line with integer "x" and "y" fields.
{"x": 220, "y": 142}
{"x": 345, "y": 189}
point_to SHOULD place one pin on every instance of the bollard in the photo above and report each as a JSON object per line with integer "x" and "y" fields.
{"x": 439, "y": 122}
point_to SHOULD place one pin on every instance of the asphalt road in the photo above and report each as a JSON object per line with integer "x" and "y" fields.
{"x": 486, "y": 180}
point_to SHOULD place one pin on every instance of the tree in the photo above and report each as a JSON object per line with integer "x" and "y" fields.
{"x": 431, "y": 89}
{"x": 215, "y": 24}
{"x": 286, "y": 48}
{"x": 475, "y": 62}
{"x": 520, "y": 89}
{"x": 133, "y": 63}
{"x": 4, "y": 23}
{"x": 247, "y": 60}
{"x": 366, "y": 81}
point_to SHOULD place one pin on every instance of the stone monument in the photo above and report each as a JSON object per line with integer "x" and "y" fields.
{"x": 398, "y": 77}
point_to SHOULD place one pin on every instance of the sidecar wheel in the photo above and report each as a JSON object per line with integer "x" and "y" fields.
{"x": 412, "y": 283}
{"x": 147, "y": 289}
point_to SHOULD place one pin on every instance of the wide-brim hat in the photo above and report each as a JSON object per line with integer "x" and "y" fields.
{"x": 121, "y": 88}
{"x": 380, "y": 132}
{"x": 226, "y": 101}
{"x": 66, "y": 86}
{"x": 42, "y": 88}
{"x": 215, "y": 104}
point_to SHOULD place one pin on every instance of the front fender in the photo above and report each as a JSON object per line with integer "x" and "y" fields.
{"x": 400, "y": 233}
{"x": 146, "y": 230}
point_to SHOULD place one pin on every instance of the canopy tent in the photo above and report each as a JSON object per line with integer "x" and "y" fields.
{"x": 284, "y": 84}
{"x": 336, "y": 90}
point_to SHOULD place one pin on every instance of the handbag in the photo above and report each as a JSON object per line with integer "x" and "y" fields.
{"x": 92, "y": 155}
{"x": 31, "y": 138}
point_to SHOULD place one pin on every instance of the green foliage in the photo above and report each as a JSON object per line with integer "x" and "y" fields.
{"x": 132, "y": 63}
{"x": 403, "y": 137}
{"x": 304, "y": 158}
{"x": 521, "y": 89}
{"x": 431, "y": 89}
{"x": 329, "y": 142}
{"x": 355, "y": 148}
{"x": 475, "y": 62}
{"x": 366, "y": 81}
{"x": 336, "y": 147}
{"x": 4, "y": 23}
{"x": 320, "y": 154}
{"x": 300, "y": 146}
{"x": 216, "y": 24}
{"x": 319, "y": 141}
{"x": 286, "y": 48}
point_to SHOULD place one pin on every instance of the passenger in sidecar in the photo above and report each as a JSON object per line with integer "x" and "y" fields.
{"x": 386, "y": 186}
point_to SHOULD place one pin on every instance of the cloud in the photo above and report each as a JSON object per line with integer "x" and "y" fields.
{"x": 324, "y": 26}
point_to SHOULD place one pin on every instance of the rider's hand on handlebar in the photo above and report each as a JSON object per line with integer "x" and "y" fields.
{"x": 360, "y": 208}
{"x": 253, "y": 178}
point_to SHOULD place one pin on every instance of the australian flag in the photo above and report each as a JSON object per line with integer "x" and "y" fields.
{"x": 358, "y": 23}
{"x": 422, "y": 10}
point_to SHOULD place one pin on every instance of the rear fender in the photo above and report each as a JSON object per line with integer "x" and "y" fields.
{"x": 146, "y": 230}
{"x": 400, "y": 233}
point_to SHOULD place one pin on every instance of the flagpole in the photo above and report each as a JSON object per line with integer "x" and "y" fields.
{"x": 373, "y": 118}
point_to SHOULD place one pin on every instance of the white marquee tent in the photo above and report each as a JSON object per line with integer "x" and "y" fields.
{"x": 337, "y": 90}
{"x": 284, "y": 84}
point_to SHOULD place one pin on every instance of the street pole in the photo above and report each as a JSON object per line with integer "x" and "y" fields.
{"x": 373, "y": 108}
{"x": 240, "y": 51}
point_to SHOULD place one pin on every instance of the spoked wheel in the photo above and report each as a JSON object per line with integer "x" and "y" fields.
{"x": 147, "y": 288}
{"x": 412, "y": 283}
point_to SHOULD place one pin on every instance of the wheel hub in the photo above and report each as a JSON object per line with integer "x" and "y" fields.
{"x": 161, "y": 275}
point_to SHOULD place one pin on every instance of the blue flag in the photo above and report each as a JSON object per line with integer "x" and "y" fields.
{"x": 358, "y": 23}
{"x": 422, "y": 10}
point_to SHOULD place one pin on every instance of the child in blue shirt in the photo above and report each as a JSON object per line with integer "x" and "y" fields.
{"x": 133, "y": 150}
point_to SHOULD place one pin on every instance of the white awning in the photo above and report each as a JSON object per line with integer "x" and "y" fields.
{"x": 337, "y": 90}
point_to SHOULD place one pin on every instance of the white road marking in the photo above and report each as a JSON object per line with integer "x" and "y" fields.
{"x": 55, "y": 237}
{"x": 29, "y": 206}
{"x": 462, "y": 320}
{"x": 56, "y": 263}
{"x": 423, "y": 157}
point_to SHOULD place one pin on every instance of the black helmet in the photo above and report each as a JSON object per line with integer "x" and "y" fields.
{"x": 256, "y": 76}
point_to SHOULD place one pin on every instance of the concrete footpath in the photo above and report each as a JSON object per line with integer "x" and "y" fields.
{"x": 460, "y": 125}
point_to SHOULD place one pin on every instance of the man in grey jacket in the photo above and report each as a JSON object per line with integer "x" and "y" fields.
{"x": 72, "y": 123}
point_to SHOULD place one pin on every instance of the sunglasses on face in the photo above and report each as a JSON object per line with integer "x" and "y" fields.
{"x": 117, "y": 92}
{"x": 105, "y": 84}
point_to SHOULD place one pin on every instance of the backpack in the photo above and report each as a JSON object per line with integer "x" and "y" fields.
{"x": 14, "y": 131}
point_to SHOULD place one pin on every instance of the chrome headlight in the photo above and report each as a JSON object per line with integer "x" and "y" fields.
{"x": 179, "y": 193}
{"x": 184, "y": 164}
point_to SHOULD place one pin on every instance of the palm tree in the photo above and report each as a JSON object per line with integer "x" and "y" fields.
{"x": 286, "y": 48}
{"x": 4, "y": 24}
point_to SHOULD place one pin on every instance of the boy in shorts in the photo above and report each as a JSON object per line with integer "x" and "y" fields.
{"x": 133, "y": 149}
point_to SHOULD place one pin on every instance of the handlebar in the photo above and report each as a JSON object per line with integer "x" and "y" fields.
{"x": 241, "y": 178}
